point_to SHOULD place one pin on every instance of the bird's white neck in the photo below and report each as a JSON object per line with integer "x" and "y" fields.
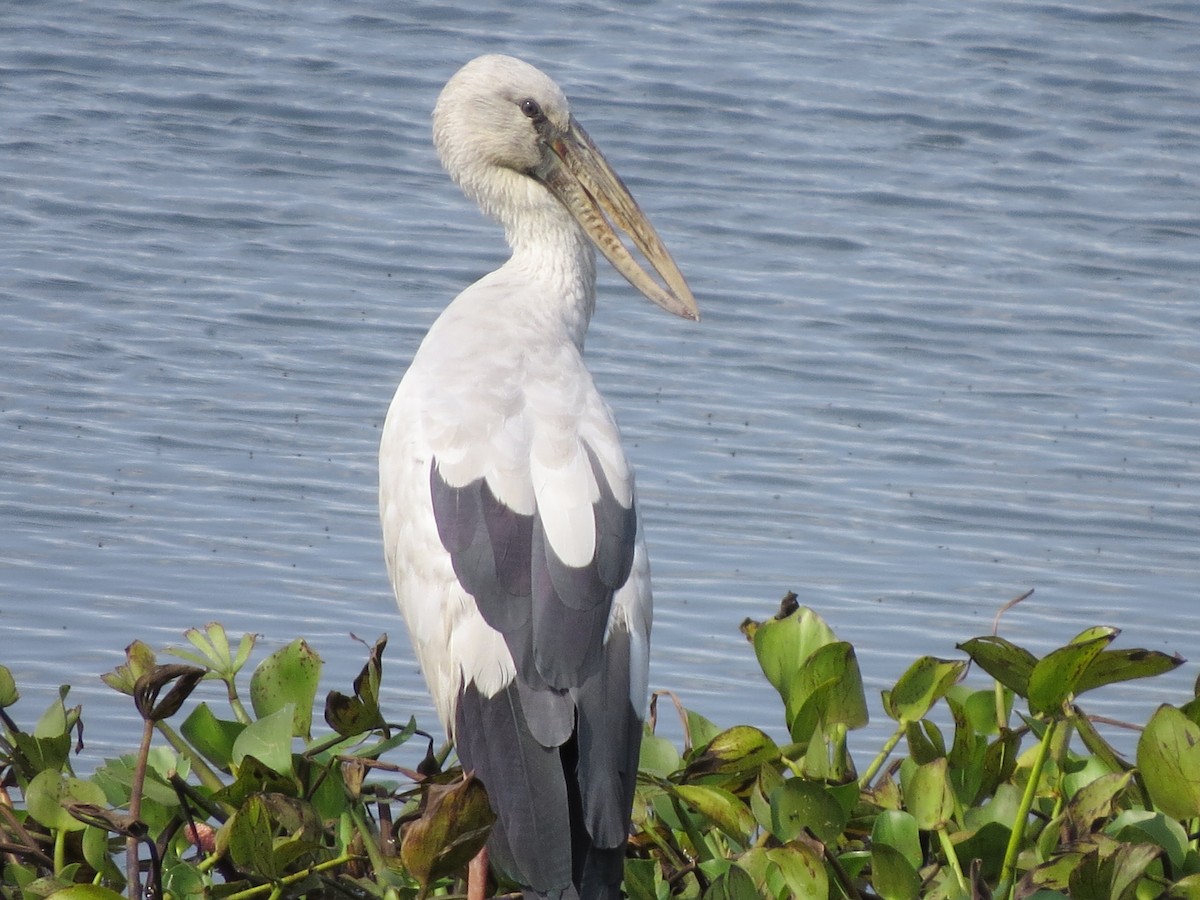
{"x": 551, "y": 250}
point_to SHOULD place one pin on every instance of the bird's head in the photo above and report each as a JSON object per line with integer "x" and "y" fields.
{"x": 505, "y": 133}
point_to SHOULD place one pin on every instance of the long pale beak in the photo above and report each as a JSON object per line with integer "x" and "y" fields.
{"x": 583, "y": 181}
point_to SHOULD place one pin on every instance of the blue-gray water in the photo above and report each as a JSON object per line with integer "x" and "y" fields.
{"x": 948, "y": 256}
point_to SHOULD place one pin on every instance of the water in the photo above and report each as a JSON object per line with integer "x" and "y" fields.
{"x": 947, "y": 257}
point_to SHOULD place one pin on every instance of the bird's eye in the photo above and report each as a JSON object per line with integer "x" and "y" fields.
{"x": 530, "y": 107}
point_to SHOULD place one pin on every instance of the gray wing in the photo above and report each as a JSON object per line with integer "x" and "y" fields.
{"x": 557, "y": 748}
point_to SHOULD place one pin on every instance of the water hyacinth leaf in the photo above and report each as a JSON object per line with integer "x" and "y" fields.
{"x": 213, "y": 737}
{"x": 50, "y": 790}
{"x": 720, "y": 807}
{"x": 644, "y": 880}
{"x": 1096, "y": 632}
{"x": 268, "y": 740}
{"x": 36, "y": 754}
{"x": 735, "y": 751}
{"x": 453, "y": 826}
{"x": 794, "y": 870}
{"x": 1095, "y": 800}
{"x": 924, "y": 683}
{"x": 1184, "y": 889}
{"x": 249, "y": 836}
{"x": 1003, "y": 660}
{"x": 929, "y": 796}
{"x": 86, "y": 892}
{"x": 96, "y": 852}
{"x": 925, "y": 741}
{"x": 55, "y": 721}
{"x": 826, "y": 690}
{"x": 893, "y": 876}
{"x": 289, "y": 676}
{"x": 1113, "y": 666}
{"x": 1168, "y": 755}
{"x": 783, "y": 643}
{"x": 733, "y": 884}
{"x": 350, "y": 716}
{"x": 700, "y": 731}
{"x": 1141, "y": 826}
{"x": 797, "y": 871}
{"x": 798, "y": 804}
{"x": 8, "y": 688}
{"x": 1055, "y": 677}
{"x": 986, "y": 845}
{"x": 898, "y": 830}
{"x": 1110, "y": 869}
{"x": 658, "y": 756}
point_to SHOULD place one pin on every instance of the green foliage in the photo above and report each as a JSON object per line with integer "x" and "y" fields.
{"x": 993, "y": 808}
{"x": 1020, "y": 797}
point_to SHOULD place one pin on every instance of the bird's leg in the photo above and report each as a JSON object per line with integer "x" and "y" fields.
{"x": 477, "y": 875}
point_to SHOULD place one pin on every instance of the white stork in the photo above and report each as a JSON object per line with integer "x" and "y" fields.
{"x": 509, "y": 523}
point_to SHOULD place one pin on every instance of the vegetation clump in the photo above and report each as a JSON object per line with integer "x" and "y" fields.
{"x": 1021, "y": 797}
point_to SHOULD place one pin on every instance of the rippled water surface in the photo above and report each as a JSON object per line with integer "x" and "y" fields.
{"x": 948, "y": 257}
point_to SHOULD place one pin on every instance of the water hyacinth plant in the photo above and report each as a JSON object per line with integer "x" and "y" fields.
{"x": 243, "y": 797}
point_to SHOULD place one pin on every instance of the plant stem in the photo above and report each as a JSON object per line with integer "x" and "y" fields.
{"x": 283, "y": 882}
{"x": 60, "y": 849}
{"x": 952, "y": 859}
{"x": 877, "y": 763}
{"x": 235, "y": 703}
{"x": 132, "y": 865}
{"x": 369, "y": 843}
{"x": 1017, "y": 837}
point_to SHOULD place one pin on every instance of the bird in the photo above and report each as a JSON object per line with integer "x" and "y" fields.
{"x": 510, "y": 526}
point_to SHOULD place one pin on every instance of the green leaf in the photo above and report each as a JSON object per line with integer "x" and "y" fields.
{"x": 800, "y": 803}
{"x": 658, "y": 756}
{"x": 288, "y": 677}
{"x": 1093, "y": 801}
{"x": 784, "y": 643}
{"x": 644, "y": 880}
{"x": 928, "y": 795}
{"x": 700, "y": 730}
{"x": 49, "y": 791}
{"x": 85, "y": 892}
{"x": 36, "y": 754}
{"x": 1055, "y": 677}
{"x": 1112, "y": 666}
{"x": 827, "y": 690}
{"x": 1140, "y": 826}
{"x": 350, "y": 716}
{"x": 721, "y": 808}
{"x": 213, "y": 737}
{"x": 1168, "y": 755}
{"x": 798, "y": 871}
{"x": 892, "y": 874}
{"x": 1003, "y": 660}
{"x": 1184, "y": 889}
{"x": 898, "y": 830}
{"x": 8, "y": 688}
{"x": 453, "y": 826}
{"x": 250, "y": 837}
{"x": 734, "y": 884}
{"x": 734, "y": 752}
{"x": 269, "y": 740}
{"x": 924, "y": 683}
